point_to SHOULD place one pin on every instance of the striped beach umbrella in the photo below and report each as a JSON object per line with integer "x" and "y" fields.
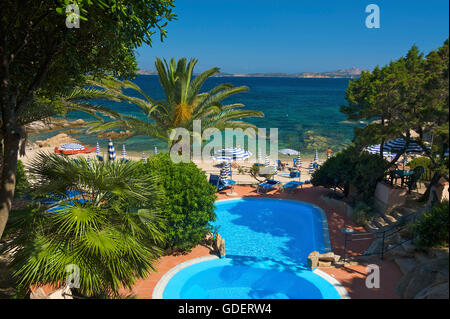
{"x": 267, "y": 161}
{"x": 224, "y": 173}
{"x": 399, "y": 144}
{"x": 316, "y": 156}
{"x": 156, "y": 150}
{"x": 299, "y": 160}
{"x": 311, "y": 168}
{"x": 71, "y": 147}
{"x": 231, "y": 154}
{"x": 97, "y": 149}
{"x": 143, "y": 156}
{"x": 111, "y": 151}
{"x": 124, "y": 151}
{"x": 375, "y": 149}
{"x": 259, "y": 156}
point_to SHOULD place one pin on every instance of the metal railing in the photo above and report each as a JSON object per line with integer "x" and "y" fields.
{"x": 384, "y": 235}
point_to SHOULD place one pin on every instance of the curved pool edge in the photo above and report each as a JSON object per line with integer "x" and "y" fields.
{"x": 323, "y": 216}
{"x": 162, "y": 283}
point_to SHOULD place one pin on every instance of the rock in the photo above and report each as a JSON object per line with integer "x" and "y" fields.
{"x": 326, "y": 256}
{"x": 38, "y": 294}
{"x": 438, "y": 291}
{"x": 220, "y": 245}
{"x": 389, "y": 219}
{"x": 313, "y": 259}
{"x": 425, "y": 280}
{"x": 324, "y": 264}
{"x": 337, "y": 258}
{"x": 406, "y": 264}
{"x": 63, "y": 293}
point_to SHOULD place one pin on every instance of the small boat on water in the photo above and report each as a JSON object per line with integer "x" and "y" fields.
{"x": 73, "y": 148}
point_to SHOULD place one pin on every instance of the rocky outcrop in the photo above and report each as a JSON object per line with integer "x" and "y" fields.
{"x": 219, "y": 245}
{"x": 115, "y": 135}
{"x": 51, "y": 124}
{"x": 56, "y": 140}
{"x": 316, "y": 259}
{"x": 427, "y": 280}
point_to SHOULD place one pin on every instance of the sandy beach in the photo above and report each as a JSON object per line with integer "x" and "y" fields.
{"x": 209, "y": 167}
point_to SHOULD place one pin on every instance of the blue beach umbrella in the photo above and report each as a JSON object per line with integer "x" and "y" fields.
{"x": 399, "y": 145}
{"x": 224, "y": 173}
{"x": 143, "y": 156}
{"x": 156, "y": 150}
{"x": 97, "y": 149}
{"x": 71, "y": 147}
{"x": 231, "y": 154}
{"x": 375, "y": 149}
{"x": 316, "y": 157}
{"x": 111, "y": 151}
{"x": 299, "y": 160}
{"x": 124, "y": 151}
{"x": 259, "y": 156}
{"x": 311, "y": 168}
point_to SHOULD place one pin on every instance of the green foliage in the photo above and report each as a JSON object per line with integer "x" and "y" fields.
{"x": 433, "y": 229}
{"x": 426, "y": 163}
{"x": 351, "y": 167}
{"x": 22, "y": 184}
{"x": 113, "y": 236}
{"x": 362, "y": 212}
{"x": 407, "y": 95}
{"x": 189, "y": 200}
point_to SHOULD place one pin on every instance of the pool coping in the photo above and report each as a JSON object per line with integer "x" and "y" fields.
{"x": 162, "y": 283}
{"x": 323, "y": 216}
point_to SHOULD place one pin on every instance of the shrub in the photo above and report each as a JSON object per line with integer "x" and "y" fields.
{"x": 433, "y": 229}
{"x": 362, "y": 213}
{"x": 351, "y": 166}
{"x": 189, "y": 201}
{"x": 22, "y": 184}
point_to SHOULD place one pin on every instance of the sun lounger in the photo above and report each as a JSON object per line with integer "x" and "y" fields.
{"x": 293, "y": 174}
{"x": 268, "y": 185}
{"x": 219, "y": 184}
{"x": 291, "y": 186}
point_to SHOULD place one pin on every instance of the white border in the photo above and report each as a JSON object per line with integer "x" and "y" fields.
{"x": 336, "y": 284}
{"x": 162, "y": 283}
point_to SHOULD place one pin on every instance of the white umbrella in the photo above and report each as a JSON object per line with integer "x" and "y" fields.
{"x": 289, "y": 152}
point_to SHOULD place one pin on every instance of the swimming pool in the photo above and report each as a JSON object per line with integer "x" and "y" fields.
{"x": 267, "y": 242}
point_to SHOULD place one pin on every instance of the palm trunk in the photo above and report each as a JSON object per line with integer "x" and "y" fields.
{"x": 8, "y": 175}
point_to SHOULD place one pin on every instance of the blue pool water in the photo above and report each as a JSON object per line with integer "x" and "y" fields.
{"x": 267, "y": 243}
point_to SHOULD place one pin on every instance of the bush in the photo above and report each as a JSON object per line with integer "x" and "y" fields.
{"x": 432, "y": 230}
{"x": 362, "y": 212}
{"x": 351, "y": 166}
{"x": 22, "y": 184}
{"x": 189, "y": 201}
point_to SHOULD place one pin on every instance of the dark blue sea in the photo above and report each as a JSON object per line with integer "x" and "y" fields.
{"x": 305, "y": 111}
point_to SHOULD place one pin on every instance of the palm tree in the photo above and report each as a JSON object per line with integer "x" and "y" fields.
{"x": 182, "y": 106}
{"x": 112, "y": 231}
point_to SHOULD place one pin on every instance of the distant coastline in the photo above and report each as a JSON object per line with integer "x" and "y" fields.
{"x": 337, "y": 74}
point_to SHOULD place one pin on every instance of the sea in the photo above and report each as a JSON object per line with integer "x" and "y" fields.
{"x": 305, "y": 111}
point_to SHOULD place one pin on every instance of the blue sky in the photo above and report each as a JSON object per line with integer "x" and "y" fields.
{"x": 245, "y": 36}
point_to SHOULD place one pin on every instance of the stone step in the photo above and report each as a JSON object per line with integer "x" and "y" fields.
{"x": 371, "y": 227}
{"x": 396, "y": 214}
{"x": 409, "y": 247}
{"x": 405, "y": 264}
{"x": 389, "y": 219}
{"x": 380, "y": 222}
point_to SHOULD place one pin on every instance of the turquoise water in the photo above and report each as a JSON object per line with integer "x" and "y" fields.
{"x": 267, "y": 242}
{"x": 305, "y": 111}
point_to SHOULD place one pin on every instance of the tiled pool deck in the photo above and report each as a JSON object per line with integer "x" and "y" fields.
{"x": 351, "y": 277}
